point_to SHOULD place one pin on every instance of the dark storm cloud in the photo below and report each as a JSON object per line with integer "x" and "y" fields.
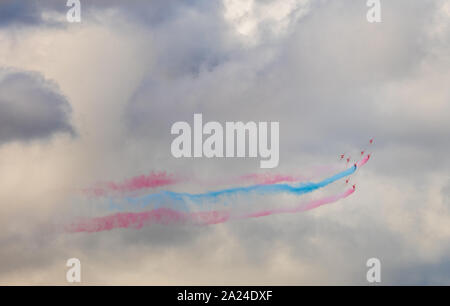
{"x": 421, "y": 273}
{"x": 28, "y": 13}
{"x": 31, "y": 107}
{"x": 152, "y": 13}
{"x": 23, "y": 12}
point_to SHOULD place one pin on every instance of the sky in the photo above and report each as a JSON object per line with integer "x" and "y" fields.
{"x": 89, "y": 102}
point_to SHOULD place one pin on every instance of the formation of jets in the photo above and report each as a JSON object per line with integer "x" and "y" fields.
{"x": 342, "y": 156}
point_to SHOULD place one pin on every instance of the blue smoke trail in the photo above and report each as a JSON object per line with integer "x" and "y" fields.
{"x": 170, "y": 197}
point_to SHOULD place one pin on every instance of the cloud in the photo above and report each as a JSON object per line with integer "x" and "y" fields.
{"x": 36, "y": 13}
{"x": 31, "y": 13}
{"x": 31, "y": 107}
{"x": 18, "y": 12}
{"x": 329, "y": 77}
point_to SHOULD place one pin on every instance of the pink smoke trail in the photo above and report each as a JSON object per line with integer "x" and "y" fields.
{"x": 365, "y": 150}
{"x": 302, "y": 207}
{"x": 363, "y": 161}
{"x": 168, "y": 216}
{"x": 268, "y": 179}
{"x": 153, "y": 180}
{"x": 165, "y": 216}
{"x": 127, "y": 220}
{"x": 159, "y": 179}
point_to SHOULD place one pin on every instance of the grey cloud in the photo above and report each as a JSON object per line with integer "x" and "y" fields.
{"x": 31, "y": 107}
{"x": 333, "y": 80}
{"x": 23, "y": 12}
{"x": 335, "y": 74}
{"x": 31, "y": 12}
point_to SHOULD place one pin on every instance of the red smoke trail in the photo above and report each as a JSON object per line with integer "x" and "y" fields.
{"x": 128, "y": 220}
{"x": 268, "y": 179}
{"x": 159, "y": 179}
{"x": 153, "y": 180}
{"x": 366, "y": 150}
{"x": 168, "y": 216}
{"x": 363, "y": 161}
{"x": 302, "y": 207}
{"x": 165, "y": 216}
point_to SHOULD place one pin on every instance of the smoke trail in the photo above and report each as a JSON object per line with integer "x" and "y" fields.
{"x": 269, "y": 179}
{"x": 159, "y": 179}
{"x": 164, "y": 216}
{"x": 153, "y": 180}
{"x": 128, "y": 220}
{"x": 168, "y": 216}
{"x": 363, "y": 161}
{"x": 181, "y": 197}
{"x": 301, "y": 207}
